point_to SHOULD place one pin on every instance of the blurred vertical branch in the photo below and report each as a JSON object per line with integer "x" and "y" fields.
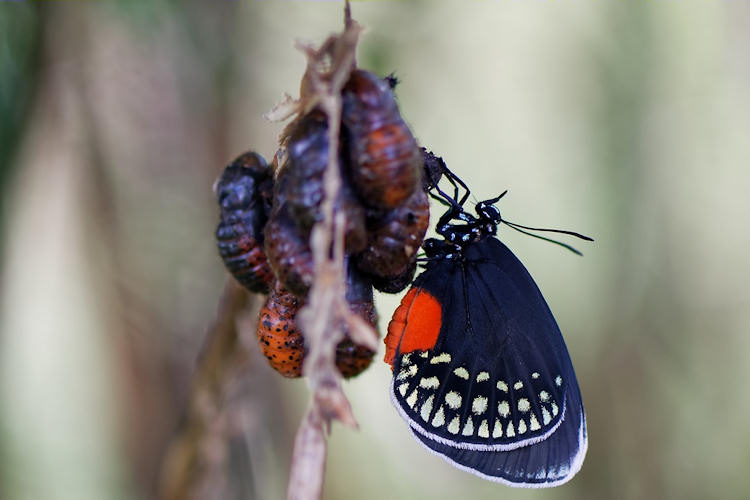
{"x": 56, "y": 319}
{"x": 196, "y": 461}
{"x": 627, "y": 72}
{"x": 20, "y": 51}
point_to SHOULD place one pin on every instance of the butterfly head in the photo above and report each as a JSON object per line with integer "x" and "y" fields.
{"x": 459, "y": 228}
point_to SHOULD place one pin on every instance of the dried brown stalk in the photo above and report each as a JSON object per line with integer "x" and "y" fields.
{"x": 327, "y": 312}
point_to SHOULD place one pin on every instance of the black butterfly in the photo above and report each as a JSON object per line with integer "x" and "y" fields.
{"x": 481, "y": 372}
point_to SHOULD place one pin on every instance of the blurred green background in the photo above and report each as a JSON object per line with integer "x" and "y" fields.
{"x": 625, "y": 120}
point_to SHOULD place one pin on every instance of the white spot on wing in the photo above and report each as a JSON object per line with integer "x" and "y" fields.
{"x": 523, "y": 405}
{"x": 554, "y": 409}
{"x": 535, "y": 375}
{"x": 518, "y": 385}
{"x": 429, "y": 383}
{"x": 439, "y": 418}
{"x": 461, "y": 372}
{"x": 403, "y": 388}
{"x": 510, "y": 432}
{"x": 468, "y": 427}
{"x": 503, "y": 408}
{"x": 454, "y": 426}
{"x": 427, "y": 408}
{"x": 453, "y": 399}
{"x": 407, "y": 372}
{"x": 558, "y": 381}
{"x": 484, "y": 429}
{"x": 441, "y": 358}
{"x": 482, "y": 376}
{"x": 406, "y": 359}
{"x": 424, "y": 354}
{"x": 546, "y": 417}
{"x": 479, "y": 405}
{"x": 497, "y": 430}
{"x": 412, "y": 399}
{"x": 502, "y": 386}
{"x": 534, "y": 423}
{"x": 544, "y": 396}
{"x": 521, "y": 426}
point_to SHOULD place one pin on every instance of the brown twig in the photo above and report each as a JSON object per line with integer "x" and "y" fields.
{"x": 327, "y": 313}
{"x": 195, "y": 455}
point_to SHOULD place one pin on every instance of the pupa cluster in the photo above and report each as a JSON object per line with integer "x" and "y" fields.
{"x": 267, "y": 213}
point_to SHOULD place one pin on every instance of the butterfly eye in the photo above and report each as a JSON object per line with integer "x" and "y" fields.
{"x": 486, "y": 210}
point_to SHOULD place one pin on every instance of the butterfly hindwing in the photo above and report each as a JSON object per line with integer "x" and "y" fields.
{"x": 550, "y": 462}
{"x": 493, "y": 380}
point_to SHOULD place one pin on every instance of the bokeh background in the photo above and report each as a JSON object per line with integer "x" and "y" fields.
{"x": 628, "y": 121}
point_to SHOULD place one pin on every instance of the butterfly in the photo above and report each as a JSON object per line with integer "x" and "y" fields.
{"x": 481, "y": 372}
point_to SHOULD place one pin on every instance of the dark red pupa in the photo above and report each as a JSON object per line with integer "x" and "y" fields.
{"x": 244, "y": 195}
{"x": 287, "y": 247}
{"x": 302, "y": 185}
{"x": 394, "y": 237}
{"x": 352, "y": 359}
{"x": 394, "y": 284}
{"x": 388, "y": 235}
{"x": 385, "y": 161}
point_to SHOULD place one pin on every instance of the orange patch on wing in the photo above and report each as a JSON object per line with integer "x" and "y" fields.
{"x": 415, "y": 324}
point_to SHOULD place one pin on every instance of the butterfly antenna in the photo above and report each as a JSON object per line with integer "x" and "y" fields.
{"x": 556, "y": 242}
{"x": 521, "y": 229}
{"x": 561, "y": 231}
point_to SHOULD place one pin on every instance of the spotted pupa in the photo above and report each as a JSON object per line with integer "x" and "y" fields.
{"x": 283, "y": 345}
{"x": 278, "y": 337}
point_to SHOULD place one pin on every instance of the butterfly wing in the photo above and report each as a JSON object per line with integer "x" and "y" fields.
{"x": 482, "y": 374}
{"x": 548, "y": 463}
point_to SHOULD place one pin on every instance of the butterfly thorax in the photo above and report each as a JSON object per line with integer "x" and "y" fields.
{"x": 457, "y": 236}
